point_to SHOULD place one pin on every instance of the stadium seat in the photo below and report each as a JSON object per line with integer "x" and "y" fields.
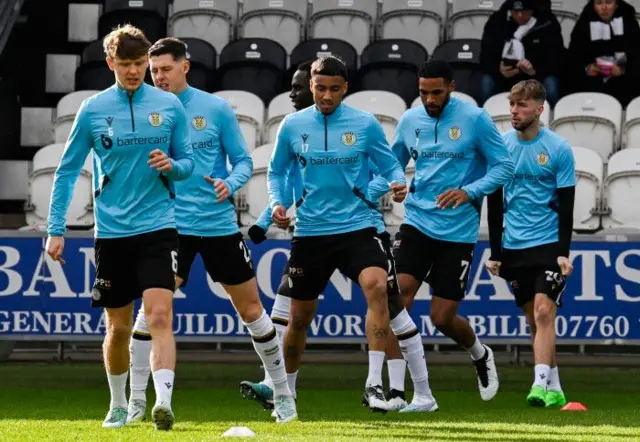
{"x": 279, "y": 107}
{"x": 254, "y": 197}
{"x": 392, "y": 65}
{"x": 421, "y": 21}
{"x": 14, "y": 181}
{"x": 590, "y": 120}
{"x": 455, "y": 94}
{"x": 349, "y": 20}
{"x": 631, "y": 128}
{"x": 311, "y": 49}
{"x": 45, "y": 162}
{"x": 35, "y": 126}
{"x": 589, "y": 177}
{"x": 394, "y": 212}
{"x": 621, "y": 189}
{"x": 468, "y": 17}
{"x": 148, "y": 19}
{"x": 211, "y": 21}
{"x": 498, "y": 107}
{"x": 203, "y": 59}
{"x": 66, "y": 112}
{"x": 279, "y": 20}
{"x": 254, "y": 65}
{"x": 250, "y": 113}
{"x": 464, "y": 57}
{"x": 158, "y": 6}
{"x": 567, "y": 13}
{"x": 386, "y": 106}
{"x": 83, "y": 22}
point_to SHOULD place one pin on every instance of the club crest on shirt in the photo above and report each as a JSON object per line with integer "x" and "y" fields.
{"x": 349, "y": 138}
{"x": 199, "y": 123}
{"x": 542, "y": 158}
{"x": 455, "y": 133}
{"x": 155, "y": 119}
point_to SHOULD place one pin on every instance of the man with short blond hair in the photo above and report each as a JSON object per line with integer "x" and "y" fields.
{"x": 140, "y": 143}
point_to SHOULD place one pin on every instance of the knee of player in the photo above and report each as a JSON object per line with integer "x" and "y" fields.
{"x": 250, "y": 311}
{"x": 119, "y": 331}
{"x": 375, "y": 286}
{"x": 441, "y": 318}
{"x": 159, "y": 318}
{"x": 543, "y": 313}
{"x": 300, "y": 320}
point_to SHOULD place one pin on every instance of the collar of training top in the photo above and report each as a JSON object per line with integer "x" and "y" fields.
{"x": 186, "y": 94}
{"x": 124, "y": 94}
{"x": 448, "y": 108}
{"x": 332, "y": 116}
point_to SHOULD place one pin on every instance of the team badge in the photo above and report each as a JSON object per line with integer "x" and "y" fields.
{"x": 349, "y": 138}
{"x": 542, "y": 158}
{"x": 199, "y": 123}
{"x": 455, "y": 133}
{"x": 96, "y": 295}
{"x": 155, "y": 119}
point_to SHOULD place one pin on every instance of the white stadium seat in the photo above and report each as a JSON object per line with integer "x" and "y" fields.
{"x": 386, "y": 106}
{"x": 348, "y": 20}
{"x": 567, "y": 13}
{"x": 631, "y": 128}
{"x": 254, "y": 196}
{"x": 589, "y": 179}
{"x": 45, "y": 162}
{"x": 66, "y": 112}
{"x": 279, "y": 107}
{"x": 621, "y": 189}
{"x": 209, "y": 20}
{"x": 394, "y": 212}
{"x": 589, "y": 119}
{"x": 418, "y": 20}
{"x": 498, "y": 107}
{"x": 459, "y": 95}
{"x": 250, "y": 113}
{"x": 279, "y": 20}
{"x": 468, "y": 17}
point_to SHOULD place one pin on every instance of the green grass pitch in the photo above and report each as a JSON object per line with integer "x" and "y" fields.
{"x": 67, "y": 402}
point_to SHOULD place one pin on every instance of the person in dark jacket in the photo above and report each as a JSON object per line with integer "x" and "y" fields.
{"x": 522, "y": 41}
{"x": 604, "y": 53}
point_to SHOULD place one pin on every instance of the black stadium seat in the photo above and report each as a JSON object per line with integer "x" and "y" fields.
{"x": 392, "y": 65}
{"x": 203, "y": 58}
{"x": 152, "y": 24}
{"x": 464, "y": 57}
{"x": 158, "y": 6}
{"x": 255, "y": 65}
{"x": 318, "y": 47}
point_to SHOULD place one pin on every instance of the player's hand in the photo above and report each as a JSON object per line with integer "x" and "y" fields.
{"x": 493, "y": 267}
{"x": 280, "y": 218}
{"x": 508, "y": 71}
{"x": 455, "y": 197}
{"x": 525, "y": 66}
{"x": 257, "y": 234}
{"x": 565, "y": 265}
{"x": 398, "y": 192}
{"x": 160, "y": 161}
{"x": 220, "y": 187}
{"x": 593, "y": 70}
{"x": 55, "y": 247}
{"x": 617, "y": 71}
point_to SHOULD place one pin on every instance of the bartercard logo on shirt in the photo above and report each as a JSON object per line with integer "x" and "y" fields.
{"x": 455, "y": 133}
{"x": 349, "y": 138}
{"x": 199, "y": 123}
{"x": 542, "y": 158}
{"x": 155, "y": 119}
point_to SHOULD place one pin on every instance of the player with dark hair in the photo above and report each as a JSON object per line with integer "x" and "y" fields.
{"x": 206, "y": 221}
{"x": 459, "y": 158}
{"x": 537, "y": 209}
{"x": 140, "y": 143}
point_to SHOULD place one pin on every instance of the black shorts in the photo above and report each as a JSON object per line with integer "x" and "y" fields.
{"x": 533, "y": 270}
{"x": 227, "y": 259}
{"x": 314, "y": 259}
{"x": 444, "y": 265}
{"x": 126, "y": 267}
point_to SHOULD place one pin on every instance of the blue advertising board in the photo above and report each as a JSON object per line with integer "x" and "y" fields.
{"x": 42, "y": 299}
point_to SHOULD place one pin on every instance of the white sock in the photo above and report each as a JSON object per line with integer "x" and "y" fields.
{"x": 477, "y": 350}
{"x": 139, "y": 351}
{"x": 396, "y": 369}
{"x": 265, "y": 341}
{"x": 280, "y": 319}
{"x": 413, "y": 352}
{"x": 376, "y": 361}
{"x": 541, "y": 375}
{"x": 118, "y": 389}
{"x": 291, "y": 381}
{"x": 554, "y": 380}
{"x": 163, "y": 382}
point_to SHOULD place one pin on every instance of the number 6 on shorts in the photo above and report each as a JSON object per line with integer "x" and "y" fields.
{"x": 174, "y": 261}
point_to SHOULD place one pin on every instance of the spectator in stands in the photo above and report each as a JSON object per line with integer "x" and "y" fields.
{"x": 604, "y": 54}
{"x": 522, "y": 40}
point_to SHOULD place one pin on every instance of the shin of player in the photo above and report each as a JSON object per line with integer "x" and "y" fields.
{"x": 533, "y": 255}
{"x": 460, "y": 158}
{"x": 136, "y": 240}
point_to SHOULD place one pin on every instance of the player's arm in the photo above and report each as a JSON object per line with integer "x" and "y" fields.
{"x": 566, "y": 192}
{"x": 180, "y": 151}
{"x": 398, "y": 147}
{"x": 378, "y": 186}
{"x": 235, "y": 146}
{"x": 386, "y": 162}
{"x": 75, "y": 153}
{"x": 279, "y": 165}
{"x": 495, "y": 217}
{"x": 499, "y": 163}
